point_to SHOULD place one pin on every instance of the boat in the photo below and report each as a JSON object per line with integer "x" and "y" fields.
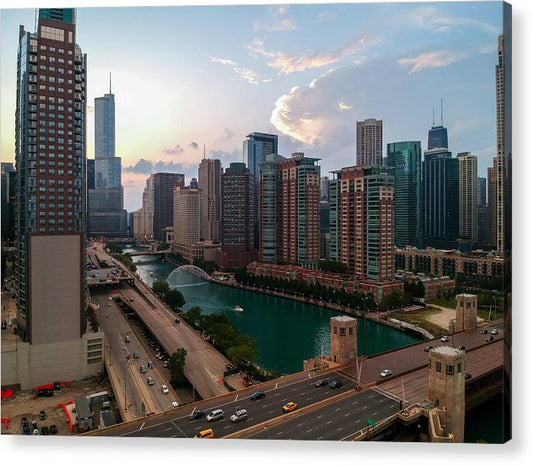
{"x": 238, "y": 308}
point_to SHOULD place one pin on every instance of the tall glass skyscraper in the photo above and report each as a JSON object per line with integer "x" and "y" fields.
{"x": 406, "y": 159}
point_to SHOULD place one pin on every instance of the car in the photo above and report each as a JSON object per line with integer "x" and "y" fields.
{"x": 164, "y": 389}
{"x": 25, "y": 430}
{"x": 445, "y": 338}
{"x": 290, "y": 407}
{"x": 143, "y": 369}
{"x": 321, "y": 382}
{"x": 428, "y": 348}
{"x": 175, "y": 404}
{"x": 461, "y": 347}
{"x": 205, "y": 434}
{"x": 110, "y": 298}
{"x": 468, "y": 376}
{"x": 45, "y": 431}
{"x": 335, "y": 384}
{"x": 34, "y": 425}
{"x": 215, "y": 415}
{"x": 23, "y": 421}
{"x": 131, "y": 300}
{"x": 42, "y": 415}
{"x": 53, "y": 429}
{"x": 385, "y": 373}
{"x": 257, "y": 395}
{"x": 127, "y": 339}
{"x": 150, "y": 381}
{"x": 177, "y": 320}
{"x": 135, "y": 354}
{"x": 483, "y": 331}
{"x": 494, "y": 331}
{"x": 196, "y": 414}
{"x": 489, "y": 339}
{"x": 36, "y": 432}
{"x": 239, "y": 415}
{"x": 4, "y": 324}
{"x": 151, "y": 364}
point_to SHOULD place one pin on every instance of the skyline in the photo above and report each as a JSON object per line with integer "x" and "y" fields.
{"x": 265, "y": 69}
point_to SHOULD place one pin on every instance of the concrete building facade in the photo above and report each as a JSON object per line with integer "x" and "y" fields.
{"x": 468, "y": 196}
{"x": 343, "y": 339}
{"x": 369, "y": 143}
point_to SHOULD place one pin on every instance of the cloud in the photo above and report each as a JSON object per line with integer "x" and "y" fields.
{"x": 344, "y": 106}
{"x": 147, "y": 167}
{"x": 276, "y": 21}
{"x": 194, "y": 146}
{"x": 437, "y": 59}
{"x": 223, "y": 61}
{"x": 287, "y": 64}
{"x": 177, "y": 150}
{"x": 228, "y": 133}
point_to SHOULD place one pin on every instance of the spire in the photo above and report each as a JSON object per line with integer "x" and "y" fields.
{"x": 204, "y": 151}
{"x": 441, "y": 118}
{"x": 433, "y": 125}
{"x": 110, "y": 82}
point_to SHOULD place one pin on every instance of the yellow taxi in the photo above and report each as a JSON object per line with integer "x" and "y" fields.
{"x": 206, "y": 434}
{"x": 289, "y": 407}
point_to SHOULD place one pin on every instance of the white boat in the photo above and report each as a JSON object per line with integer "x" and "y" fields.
{"x": 238, "y": 308}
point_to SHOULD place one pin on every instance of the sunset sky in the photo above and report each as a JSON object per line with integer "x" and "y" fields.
{"x": 186, "y": 76}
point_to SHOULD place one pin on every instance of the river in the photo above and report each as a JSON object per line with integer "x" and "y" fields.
{"x": 288, "y": 332}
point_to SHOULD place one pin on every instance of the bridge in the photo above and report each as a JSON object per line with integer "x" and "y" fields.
{"x": 195, "y": 271}
{"x": 149, "y": 252}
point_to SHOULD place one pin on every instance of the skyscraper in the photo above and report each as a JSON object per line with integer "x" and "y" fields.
{"x": 440, "y": 199}
{"x": 492, "y": 203}
{"x": 164, "y": 185}
{"x": 482, "y": 211}
{"x": 289, "y": 219}
{"x": 7, "y": 186}
{"x": 438, "y": 135}
{"x": 468, "y": 198}
{"x": 369, "y": 142}
{"x": 362, "y": 221}
{"x": 406, "y": 159}
{"x": 186, "y": 219}
{"x": 106, "y": 216}
{"x": 51, "y": 289}
{"x": 237, "y": 225}
{"x": 209, "y": 183}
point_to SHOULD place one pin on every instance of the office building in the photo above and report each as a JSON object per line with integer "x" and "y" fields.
{"x": 7, "y": 185}
{"x": 289, "y": 221}
{"x": 492, "y": 203}
{"x": 369, "y": 142}
{"x": 362, "y": 221}
{"x": 209, "y": 184}
{"x": 106, "y": 214}
{"x": 54, "y": 341}
{"x": 438, "y": 135}
{"x": 143, "y": 219}
{"x": 440, "y": 199}
{"x": 238, "y": 213}
{"x": 164, "y": 185}
{"x": 406, "y": 160}
{"x": 468, "y": 197}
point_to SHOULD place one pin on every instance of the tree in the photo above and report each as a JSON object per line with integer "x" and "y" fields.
{"x": 242, "y": 355}
{"x": 174, "y": 299}
{"x": 176, "y": 362}
{"x": 160, "y": 288}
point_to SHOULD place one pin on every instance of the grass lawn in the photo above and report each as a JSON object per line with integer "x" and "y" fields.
{"x": 419, "y": 318}
{"x": 441, "y": 301}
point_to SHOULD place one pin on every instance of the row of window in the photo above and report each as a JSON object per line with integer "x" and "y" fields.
{"x": 450, "y": 369}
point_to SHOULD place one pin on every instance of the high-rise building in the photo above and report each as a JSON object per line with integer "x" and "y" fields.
{"x": 186, "y": 220}
{"x": 440, "y": 175}
{"x": 91, "y": 175}
{"x": 106, "y": 214}
{"x": 482, "y": 211}
{"x": 143, "y": 219}
{"x": 492, "y": 203}
{"x": 209, "y": 184}
{"x": 164, "y": 186}
{"x": 50, "y": 280}
{"x": 438, "y": 135}
{"x": 406, "y": 160}
{"x": 362, "y": 221}
{"x": 481, "y": 191}
{"x": 289, "y": 219}
{"x": 369, "y": 142}
{"x": 7, "y": 186}
{"x": 468, "y": 196}
{"x": 237, "y": 225}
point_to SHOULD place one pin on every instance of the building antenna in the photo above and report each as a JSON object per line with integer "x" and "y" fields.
{"x": 433, "y": 116}
{"x": 441, "y": 118}
{"x": 110, "y": 82}
{"x": 35, "y": 21}
{"x": 204, "y": 151}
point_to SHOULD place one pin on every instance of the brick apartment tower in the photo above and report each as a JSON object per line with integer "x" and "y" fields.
{"x": 289, "y": 215}
{"x": 343, "y": 339}
{"x": 209, "y": 183}
{"x": 447, "y": 368}
{"x": 164, "y": 185}
{"x": 50, "y": 276}
{"x": 362, "y": 221}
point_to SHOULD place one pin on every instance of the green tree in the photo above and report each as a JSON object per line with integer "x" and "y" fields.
{"x": 160, "y": 288}
{"x": 174, "y": 299}
{"x": 176, "y": 362}
{"x": 242, "y": 356}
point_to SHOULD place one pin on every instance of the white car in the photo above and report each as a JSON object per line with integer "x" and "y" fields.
{"x": 164, "y": 389}
{"x": 175, "y": 404}
{"x": 385, "y": 373}
{"x": 494, "y": 331}
{"x": 445, "y": 338}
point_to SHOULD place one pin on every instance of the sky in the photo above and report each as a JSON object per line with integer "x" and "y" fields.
{"x": 189, "y": 77}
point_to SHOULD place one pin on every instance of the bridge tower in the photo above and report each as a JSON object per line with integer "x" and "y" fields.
{"x": 447, "y": 387}
{"x": 343, "y": 339}
{"x": 465, "y": 312}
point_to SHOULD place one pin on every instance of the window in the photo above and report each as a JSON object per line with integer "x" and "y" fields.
{"x": 343, "y": 331}
{"x": 459, "y": 367}
{"x": 438, "y": 366}
{"x": 449, "y": 369}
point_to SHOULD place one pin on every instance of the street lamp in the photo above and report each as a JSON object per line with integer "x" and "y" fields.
{"x": 267, "y": 430}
